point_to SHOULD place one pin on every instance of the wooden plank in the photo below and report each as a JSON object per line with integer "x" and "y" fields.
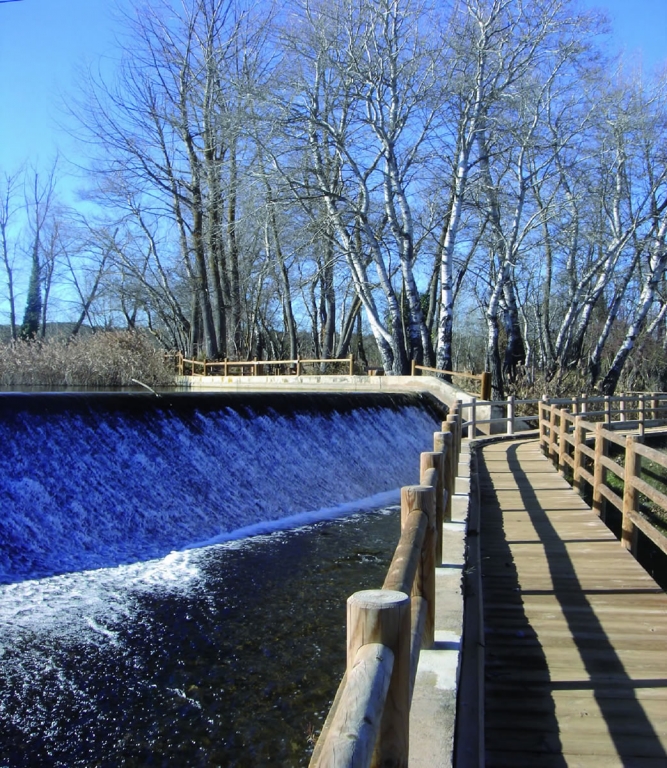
{"x": 576, "y": 648}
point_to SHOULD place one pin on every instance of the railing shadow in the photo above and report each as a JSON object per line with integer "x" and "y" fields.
{"x": 516, "y": 672}
{"x": 608, "y": 679}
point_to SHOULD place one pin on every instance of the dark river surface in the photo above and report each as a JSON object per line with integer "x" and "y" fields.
{"x": 235, "y": 663}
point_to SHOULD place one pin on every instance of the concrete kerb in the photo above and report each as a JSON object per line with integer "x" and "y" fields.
{"x": 434, "y": 701}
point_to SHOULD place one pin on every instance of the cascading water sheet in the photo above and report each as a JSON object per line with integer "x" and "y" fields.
{"x": 89, "y": 486}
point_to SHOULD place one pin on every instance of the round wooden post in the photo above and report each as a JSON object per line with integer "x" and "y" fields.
{"x": 422, "y": 498}
{"x": 383, "y": 616}
{"x": 413, "y": 370}
{"x": 436, "y": 460}
{"x": 607, "y": 409}
{"x": 451, "y": 425}
{"x": 641, "y": 414}
{"x": 298, "y": 365}
{"x": 486, "y": 386}
{"x": 351, "y": 365}
{"x": 442, "y": 441}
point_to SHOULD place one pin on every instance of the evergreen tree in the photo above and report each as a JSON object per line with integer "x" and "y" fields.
{"x": 33, "y": 304}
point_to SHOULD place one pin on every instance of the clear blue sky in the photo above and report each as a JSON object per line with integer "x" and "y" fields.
{"x": 41, "y": 42}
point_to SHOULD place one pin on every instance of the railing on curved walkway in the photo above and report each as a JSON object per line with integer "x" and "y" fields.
{"x": 578, "y": 444}
{"x": 368, "y": 723}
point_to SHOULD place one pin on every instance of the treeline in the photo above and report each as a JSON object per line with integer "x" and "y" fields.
{"x": 264, "y": 173}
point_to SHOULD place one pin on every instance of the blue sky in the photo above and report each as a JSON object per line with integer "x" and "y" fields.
{"x": 42, "y": 41}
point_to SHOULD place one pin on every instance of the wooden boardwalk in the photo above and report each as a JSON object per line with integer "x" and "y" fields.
{"x": 575, "y": 629}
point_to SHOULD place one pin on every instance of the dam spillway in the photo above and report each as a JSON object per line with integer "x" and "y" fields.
{"x": 136, "y": 617}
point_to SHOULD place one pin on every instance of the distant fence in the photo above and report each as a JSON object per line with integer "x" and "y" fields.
{"x": 483, "y": 378}
{"x": 186, "y": 367}
{"x": 386, "y": 628}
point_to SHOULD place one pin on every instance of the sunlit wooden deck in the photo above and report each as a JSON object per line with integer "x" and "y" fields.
{"x": 575, "y": 629}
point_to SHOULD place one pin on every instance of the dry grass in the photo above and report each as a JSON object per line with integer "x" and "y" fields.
{"x": 107, "y": 359}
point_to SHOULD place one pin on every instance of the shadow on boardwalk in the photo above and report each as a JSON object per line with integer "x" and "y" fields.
{"x": 576, "y": 656}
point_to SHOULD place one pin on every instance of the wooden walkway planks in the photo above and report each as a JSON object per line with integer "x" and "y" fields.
{"x": 575, "y": 629}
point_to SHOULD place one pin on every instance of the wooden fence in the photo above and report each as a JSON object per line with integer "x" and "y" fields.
{"x": 227, "y": 367}
{"x": 368, "y": 724}
{"x": 578, "y": 440}
{"x": 483, "y": 378}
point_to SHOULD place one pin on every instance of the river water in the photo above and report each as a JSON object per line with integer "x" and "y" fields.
{"x": 175, "y": 570}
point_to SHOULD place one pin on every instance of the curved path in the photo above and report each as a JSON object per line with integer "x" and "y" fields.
{"x": 575, "y": 629}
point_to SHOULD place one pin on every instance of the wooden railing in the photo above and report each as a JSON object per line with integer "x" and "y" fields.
{"x": 515, "y": 415}
{"x": 578, "y": 442}
{"x": 227, "y": 367}
{"x": 368, "y": 723}
{"x": 483, "y": 378}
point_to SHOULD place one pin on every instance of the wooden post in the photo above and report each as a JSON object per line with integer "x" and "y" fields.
{"x": 472, "y": 424}
{"x": 458, "y": 411}
{"x": 383, "y": 616}
{"x": 298, "y": 365}
{"x": 655, "y": 403}
{"x": 562, "y": 442}
{"x": 584, "y": 403}
{"x": 622, "y": 404}
{"x": 599, "y": 471}
{"x": 422, "y": 498}
{"x": 607, "y": 409}
{"x": 413, "y": 370}
{"x": 351, "y": 365}
{"x": 541, "y": 413}
{"x": 443, "y": 441}
{"x": 641, "y": 414}
{"x": 453, "y": 422}
{"x": 435, "y": 460}
{"x": 225, "y": 368}
{"x": 578, "y": 455}
{"x": 510, "y": 415}
{"x": 630, "y": 495}
{"x": 552, "y": 433}
{"x": 486, "y": 386}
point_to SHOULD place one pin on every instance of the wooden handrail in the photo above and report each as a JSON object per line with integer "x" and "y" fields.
{"x": 564, "y": 438}
{"x": 356, "y": 731}
{"x": 484, "y": 378}
{"x": 257, "y": 365}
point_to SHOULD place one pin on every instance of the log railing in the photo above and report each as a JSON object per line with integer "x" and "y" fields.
{"x": 187, "y": 367}
{"x": 639, "y": 410}
{"x": 483, "y": 378}
{"x": 578, "y": 440}
{"x": 368, "y": 724}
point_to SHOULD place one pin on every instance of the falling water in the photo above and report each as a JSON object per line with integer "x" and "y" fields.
{"x": 175, "y": 569}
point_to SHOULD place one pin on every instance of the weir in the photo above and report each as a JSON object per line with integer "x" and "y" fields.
{"x": 90, "y": 481}
{"x": 120, "y": 641}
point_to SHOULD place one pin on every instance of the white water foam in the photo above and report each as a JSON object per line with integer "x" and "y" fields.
{"x": 86, "y": 603}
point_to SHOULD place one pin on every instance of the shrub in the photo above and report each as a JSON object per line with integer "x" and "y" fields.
{"x": 103, "y": 359}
